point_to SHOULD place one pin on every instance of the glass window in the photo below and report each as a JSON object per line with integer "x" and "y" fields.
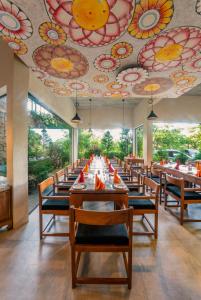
{"x": 49, "y": 146}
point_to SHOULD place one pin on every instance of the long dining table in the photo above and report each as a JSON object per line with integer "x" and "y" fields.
{"x": 182, "y": 172}
{"x": 86, "y": 191}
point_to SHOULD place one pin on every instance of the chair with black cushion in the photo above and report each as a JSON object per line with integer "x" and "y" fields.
{"x": 146, "y": 203}
{"x": 158, "y": 176}
{"x": 51, "y": 203}
{"x": 61, "y": 181}
{"x": 135, "y": 182}
{"x": 96, "y": 231}
{"x": 175, "y": 188}
{"x": 71, "y": 173}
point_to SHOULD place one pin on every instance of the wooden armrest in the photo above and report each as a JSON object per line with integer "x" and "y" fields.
{"x": 142, "y": 197}
{"x": 192, "y": 189}
{"x": 56, "y": 197}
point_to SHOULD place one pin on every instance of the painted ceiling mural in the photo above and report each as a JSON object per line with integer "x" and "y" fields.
{"x": 107, "y": 48}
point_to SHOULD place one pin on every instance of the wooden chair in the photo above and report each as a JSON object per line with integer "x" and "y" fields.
{"x": 51, "y": 203}
{"x": 145, "y": 204}
{"x": 71, "y": 174}
{"x": 175, "y": 187}
{"x": 159, "y": 177}
{"x": 61, "y": 181}
{"x": 95, "y": 231}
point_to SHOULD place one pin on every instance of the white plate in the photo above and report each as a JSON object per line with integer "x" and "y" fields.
{"x": 78, "y": 186}
{"x": 119, "y": 186}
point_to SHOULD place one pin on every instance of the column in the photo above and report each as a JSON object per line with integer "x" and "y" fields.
{"x": 134, "y": 141}
{"x": 74, "y": 144}
{"x": 17, "y": 140}
{"x": 147, "y": 141}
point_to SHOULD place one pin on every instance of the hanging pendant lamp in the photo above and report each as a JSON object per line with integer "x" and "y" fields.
{"x": 76, "y": 119}
{"x": 152, "y": 115}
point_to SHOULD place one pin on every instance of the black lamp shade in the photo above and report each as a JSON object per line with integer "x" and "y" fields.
{"x": 76, "y": 119}
{"x": 152, "y": 115}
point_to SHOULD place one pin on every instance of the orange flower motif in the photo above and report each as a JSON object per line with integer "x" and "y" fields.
{"x": 150, "y": 17}
{"x": 115, "y": 86}
{"x": 102, "y": 78}
{"x": 121, "y": 50}
{"x": 52, "y": 33}
{"x": 16, "y": 45}
{"x": 185, "y": 81}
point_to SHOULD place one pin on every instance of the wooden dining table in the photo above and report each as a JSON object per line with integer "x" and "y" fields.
{"x": 115, "y": 193}
{"x": 182, "y": 172}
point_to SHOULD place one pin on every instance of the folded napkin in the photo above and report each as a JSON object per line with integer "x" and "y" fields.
{"x": 111, "y": 168}
{"x": 117, "y": 179}
{"x": 81, "y": 177}
{"x": 99, "y": 185}
{"x": 86, "y": 168}
{"x": 177, "y": 165}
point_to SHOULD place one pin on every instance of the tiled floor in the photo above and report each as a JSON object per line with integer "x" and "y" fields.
{"x": 167, "y": 269}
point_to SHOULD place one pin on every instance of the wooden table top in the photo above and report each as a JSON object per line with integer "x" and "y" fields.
{"x": 182, "y": 172}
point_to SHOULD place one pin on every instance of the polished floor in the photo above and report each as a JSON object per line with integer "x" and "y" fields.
{"x": 167, "y": 269}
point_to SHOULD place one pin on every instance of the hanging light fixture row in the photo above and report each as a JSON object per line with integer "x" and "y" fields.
{"x": 76, "y": 119}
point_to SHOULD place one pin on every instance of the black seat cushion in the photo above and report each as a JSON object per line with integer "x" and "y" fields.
{"x": 132, "y": 187}
{"x": 64, "y": 185}
{"x": 141, "y": 204}
{"x": 60, "y": 204}
{"x": 156, "y": 179}
{"x": 124, "y": 177}
{"x": 97, "y": 235}
{"x": 72, "y": 177}
{"x": 187, "y": 195}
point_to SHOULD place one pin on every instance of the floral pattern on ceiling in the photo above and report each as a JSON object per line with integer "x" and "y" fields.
{"x": 151, "y": 17}
{"x": 153, "y": 86}
{"x": 13, "y": 21}
{"x": 93, "y": 22}
{"x": 170, "y": 49}
{"x": 61, "y": 61}
{"x": 96, "y": 46}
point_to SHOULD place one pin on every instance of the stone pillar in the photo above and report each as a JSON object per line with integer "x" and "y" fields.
{"x": 134, "y": 141}
{"x": 17, "y": 140}
{"x": 147, "y": 141}
{"x": 74, "y": 144}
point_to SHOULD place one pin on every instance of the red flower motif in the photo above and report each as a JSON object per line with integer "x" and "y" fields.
{"x": 13, "y": 21}
{"x": 170, "y": 49}
{"x": 104, "y": 23}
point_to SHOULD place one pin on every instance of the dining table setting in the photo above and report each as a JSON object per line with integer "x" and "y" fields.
{"x": 188, "y": 172}
{"x": 98, "y": 181}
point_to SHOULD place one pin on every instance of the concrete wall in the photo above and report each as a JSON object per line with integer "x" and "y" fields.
{"x": 106, "y": 117}
{"x": 183, "y": 109}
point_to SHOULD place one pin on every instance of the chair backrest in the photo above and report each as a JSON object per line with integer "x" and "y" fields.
{"x": 60, "y": 175}
{"x": 175, "y": 181}
{"x": 154, "y": 186}
{"x": 155, "y": 171}
{"x": 46, "y": 187}
{"x": 92, "y": 217}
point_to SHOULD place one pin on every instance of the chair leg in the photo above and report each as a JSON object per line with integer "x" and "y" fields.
{"x": 182, "y": 214}
{"x": 165, "y": 202}
{"x": 130, "y": 268}
{"x": 40, "y": 225}
{"x": 156, "y": 225}
{"x": 73, "y": 267}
